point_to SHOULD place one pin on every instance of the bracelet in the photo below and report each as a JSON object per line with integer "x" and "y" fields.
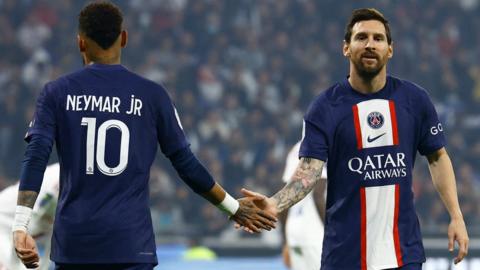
{"x": 23, "y": 215}
{"x": 229, "y": 205}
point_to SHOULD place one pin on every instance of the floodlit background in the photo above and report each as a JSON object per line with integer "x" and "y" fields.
{"x": 242, "y": 73}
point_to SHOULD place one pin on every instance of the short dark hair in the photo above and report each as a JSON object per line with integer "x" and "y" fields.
{"x": 366, "y": 14}
{"x": 101, "y": 22}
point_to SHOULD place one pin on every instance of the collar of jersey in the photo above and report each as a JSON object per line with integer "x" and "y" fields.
{"x": 105, "y": 66}
{"x": 382, "y": 92}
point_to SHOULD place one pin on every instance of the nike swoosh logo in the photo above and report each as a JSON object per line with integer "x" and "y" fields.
{"x": 374, "y": 138}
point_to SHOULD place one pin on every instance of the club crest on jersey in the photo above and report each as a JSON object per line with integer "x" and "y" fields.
{"x": 375, "y": 120}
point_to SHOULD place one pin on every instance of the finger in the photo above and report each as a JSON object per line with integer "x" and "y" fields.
{"x": 27, "y": 257}
{"x": 24, "y": 252}
{"x": 450, "y": 243}
{"x": 31, "y": 261}
{"x": 261, "y": 225}
{"x": 268, "y": 216}
{"x": 462, "y": 252}
{"x": 237, "y": 226}
{"x": 32, "y": 265}
{"x": 466, "y": 247}
{"x": 266, "y": 222}
{"x": 250, "y": 193}
{"x": 246, "y": 229}
{"x": 254, "y": 228}
{"x": 259, "y": 197}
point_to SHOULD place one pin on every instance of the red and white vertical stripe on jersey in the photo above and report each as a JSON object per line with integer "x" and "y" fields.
{"x": 358, "y": 130}
{"x": 385, "y": 133}
{"x": 393, "y": 116}
{"x": 396, "y": 234}
{"x": 379, "y": 237}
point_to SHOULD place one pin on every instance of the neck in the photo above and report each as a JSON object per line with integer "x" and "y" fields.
{"x": 367, "y": 85}
{"x": 104, "y": 58}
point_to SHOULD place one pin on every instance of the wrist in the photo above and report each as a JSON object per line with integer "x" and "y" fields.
{"x": 456, "y": 218}
{"x": 229, "y": 205}
{"x": 274, "y": 202}
{"x": 456, "y": 215}
{"x": 23, "y": 215}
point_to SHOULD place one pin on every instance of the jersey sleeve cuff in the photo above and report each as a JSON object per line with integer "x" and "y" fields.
{"x": 431, "y": 149}
{"x": 315, "y": 155}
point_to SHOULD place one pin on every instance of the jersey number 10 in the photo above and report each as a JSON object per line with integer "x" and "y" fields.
{"x": 91, "y": 124}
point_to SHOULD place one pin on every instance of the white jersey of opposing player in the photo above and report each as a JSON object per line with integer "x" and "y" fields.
{"x": 304, "y": 228}
{"x": 40, "y": 226}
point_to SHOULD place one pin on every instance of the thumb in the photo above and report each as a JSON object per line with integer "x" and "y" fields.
{"x": 250, "y": 193}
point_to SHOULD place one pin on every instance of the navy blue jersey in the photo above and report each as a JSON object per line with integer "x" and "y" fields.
{"x": 371, "y": 142}
{"x": 106, "y": 122}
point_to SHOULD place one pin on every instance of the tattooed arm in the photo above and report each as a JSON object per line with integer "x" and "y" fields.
{"x": 27, "y": 198}
{"x": 306, "y": 176}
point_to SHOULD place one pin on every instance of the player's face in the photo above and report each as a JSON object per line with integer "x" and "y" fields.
{"x": 368, "y": 48}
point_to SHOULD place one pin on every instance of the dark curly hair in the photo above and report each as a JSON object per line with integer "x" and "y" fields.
{"x": 365, "y": 14}
{"x": 101, "y": 22}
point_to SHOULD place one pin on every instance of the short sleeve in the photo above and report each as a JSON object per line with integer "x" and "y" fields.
{"x": 44, "y": 120}
{"x": 316, "y": 131}
{"x": 169, "y": 128}
{"x": 432, "y": 137}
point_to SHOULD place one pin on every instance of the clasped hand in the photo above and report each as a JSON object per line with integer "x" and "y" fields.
{"x": 256, "y": 212}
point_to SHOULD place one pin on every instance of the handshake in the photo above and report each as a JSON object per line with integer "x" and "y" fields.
{"x": 256, "y": 212}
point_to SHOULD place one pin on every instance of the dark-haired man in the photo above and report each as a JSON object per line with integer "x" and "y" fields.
{"x": 370, "y": 126}
{"x": 106, "y": 122}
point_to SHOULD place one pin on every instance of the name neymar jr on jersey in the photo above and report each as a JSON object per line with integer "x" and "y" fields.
{"x": 102, "y": 104}
{"x": 379, "y": 166}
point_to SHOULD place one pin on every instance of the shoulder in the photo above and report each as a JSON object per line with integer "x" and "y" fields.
{"x": 149, "y": 87}
{"x": 411, "y": 89}
{"x": 327, "y": 98}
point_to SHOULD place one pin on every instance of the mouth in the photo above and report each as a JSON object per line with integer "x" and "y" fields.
{"x": 370, "y": 56}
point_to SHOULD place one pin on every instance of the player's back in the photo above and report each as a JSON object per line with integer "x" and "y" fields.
{"x": 107, "y": 122}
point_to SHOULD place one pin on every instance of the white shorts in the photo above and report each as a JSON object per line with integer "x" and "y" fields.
{"x": 305, "y": 257}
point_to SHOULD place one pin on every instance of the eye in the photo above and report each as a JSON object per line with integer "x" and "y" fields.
{"x": 361, "y": 37}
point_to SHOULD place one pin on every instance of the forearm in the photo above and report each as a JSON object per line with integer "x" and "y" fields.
{"x": 307, "y": 175}
{"x": 443, "y": 179}
{"x": 215, "y": 195}
{"x": 27, "y": 198}
{"x": 192, "y": 172}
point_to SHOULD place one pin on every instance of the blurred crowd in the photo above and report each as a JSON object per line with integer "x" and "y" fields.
{"x": 242, "y": 73}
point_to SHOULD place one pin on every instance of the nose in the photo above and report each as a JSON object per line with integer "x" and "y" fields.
{"x": 370, "y": 43}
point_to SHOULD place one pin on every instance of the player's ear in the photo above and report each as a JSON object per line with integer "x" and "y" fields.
{"x": 124, "y": 38}
{"x": 390, "y": 50}
{"x": 346, "y": 49}
{"x": 81, "y": 43}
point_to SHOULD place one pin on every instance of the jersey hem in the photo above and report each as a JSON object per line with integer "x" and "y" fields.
{"x": 153, "y": 261}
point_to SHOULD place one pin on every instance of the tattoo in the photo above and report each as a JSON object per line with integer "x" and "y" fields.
{"x": 27, "y": 198}
{"x": 307, "y": 174}
{"x": 245, "y": 210}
